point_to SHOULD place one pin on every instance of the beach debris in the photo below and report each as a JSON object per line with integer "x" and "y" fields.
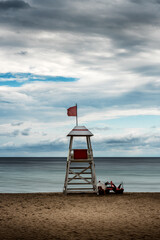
{"x": 101, "y": 188}
{"x": 105, "y": 188}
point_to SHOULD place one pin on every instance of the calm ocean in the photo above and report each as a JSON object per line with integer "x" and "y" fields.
{"x": 21, "y": 175}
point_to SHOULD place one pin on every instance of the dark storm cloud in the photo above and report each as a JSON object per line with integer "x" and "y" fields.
{"x": 38, "y": 147}
{"x": 148, "y": 70}
{"x": 114, "y": 143}
{"x": 13, "y": 4}
{"x": 131, "y": 141}
{"x": 128, "y": 143}
{"x": 103, "y": 18}
{"x": 123, "y": 22}
{"x": 148, "y": 96}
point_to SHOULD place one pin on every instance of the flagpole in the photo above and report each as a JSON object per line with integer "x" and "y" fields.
{"x": 77, "y": 116}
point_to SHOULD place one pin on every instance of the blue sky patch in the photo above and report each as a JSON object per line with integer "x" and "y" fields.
{"x": 18, "y": 79}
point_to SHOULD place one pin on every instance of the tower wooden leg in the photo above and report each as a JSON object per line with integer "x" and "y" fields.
{"x": 66, "y": 177}
{"x": 76, "y": 176}
{"x": 94, "y": 177}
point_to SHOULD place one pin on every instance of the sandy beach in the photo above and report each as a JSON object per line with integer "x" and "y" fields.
{"x": 82, "y": 216}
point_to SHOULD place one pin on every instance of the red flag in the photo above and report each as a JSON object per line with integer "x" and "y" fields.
{"x": 72, "y": 111}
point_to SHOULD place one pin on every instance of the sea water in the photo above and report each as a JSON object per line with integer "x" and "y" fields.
{"x": 27, "y": 175}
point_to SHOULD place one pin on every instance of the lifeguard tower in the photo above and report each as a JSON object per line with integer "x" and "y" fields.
{"x": 80, "y": 167}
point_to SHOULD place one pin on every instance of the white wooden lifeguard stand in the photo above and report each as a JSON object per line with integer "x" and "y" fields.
{"x": 80, "y": 167}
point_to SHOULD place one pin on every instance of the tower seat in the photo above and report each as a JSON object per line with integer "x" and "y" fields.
{"x": 80, "y": 154}
{"x": 89, "y": 160}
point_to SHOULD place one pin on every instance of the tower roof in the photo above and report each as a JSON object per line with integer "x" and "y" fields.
{"x": 80, "y": 131}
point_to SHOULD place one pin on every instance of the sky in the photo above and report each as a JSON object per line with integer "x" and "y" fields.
{"x": 103, "y": 55}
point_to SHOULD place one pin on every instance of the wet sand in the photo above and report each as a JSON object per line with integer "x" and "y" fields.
{"x": 84, "y": 216}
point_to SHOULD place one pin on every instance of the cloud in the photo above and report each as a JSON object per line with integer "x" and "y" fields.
{"x": 25, "y": 132}
{"x": 16, "y": 123}
{"x": 134, "y": 144}
{"x": 13, "y": 4}
{"x": 116, "y": 113}
{"x": 10, "y": 134}
{"x": 125, "y": 144}
{"x": 37, "y": 147}
{"x": 15, "y": 129}
{"x": 104, "y": 55}
{"x": 100, "y": 128}
{"x": 23, "y": 53}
